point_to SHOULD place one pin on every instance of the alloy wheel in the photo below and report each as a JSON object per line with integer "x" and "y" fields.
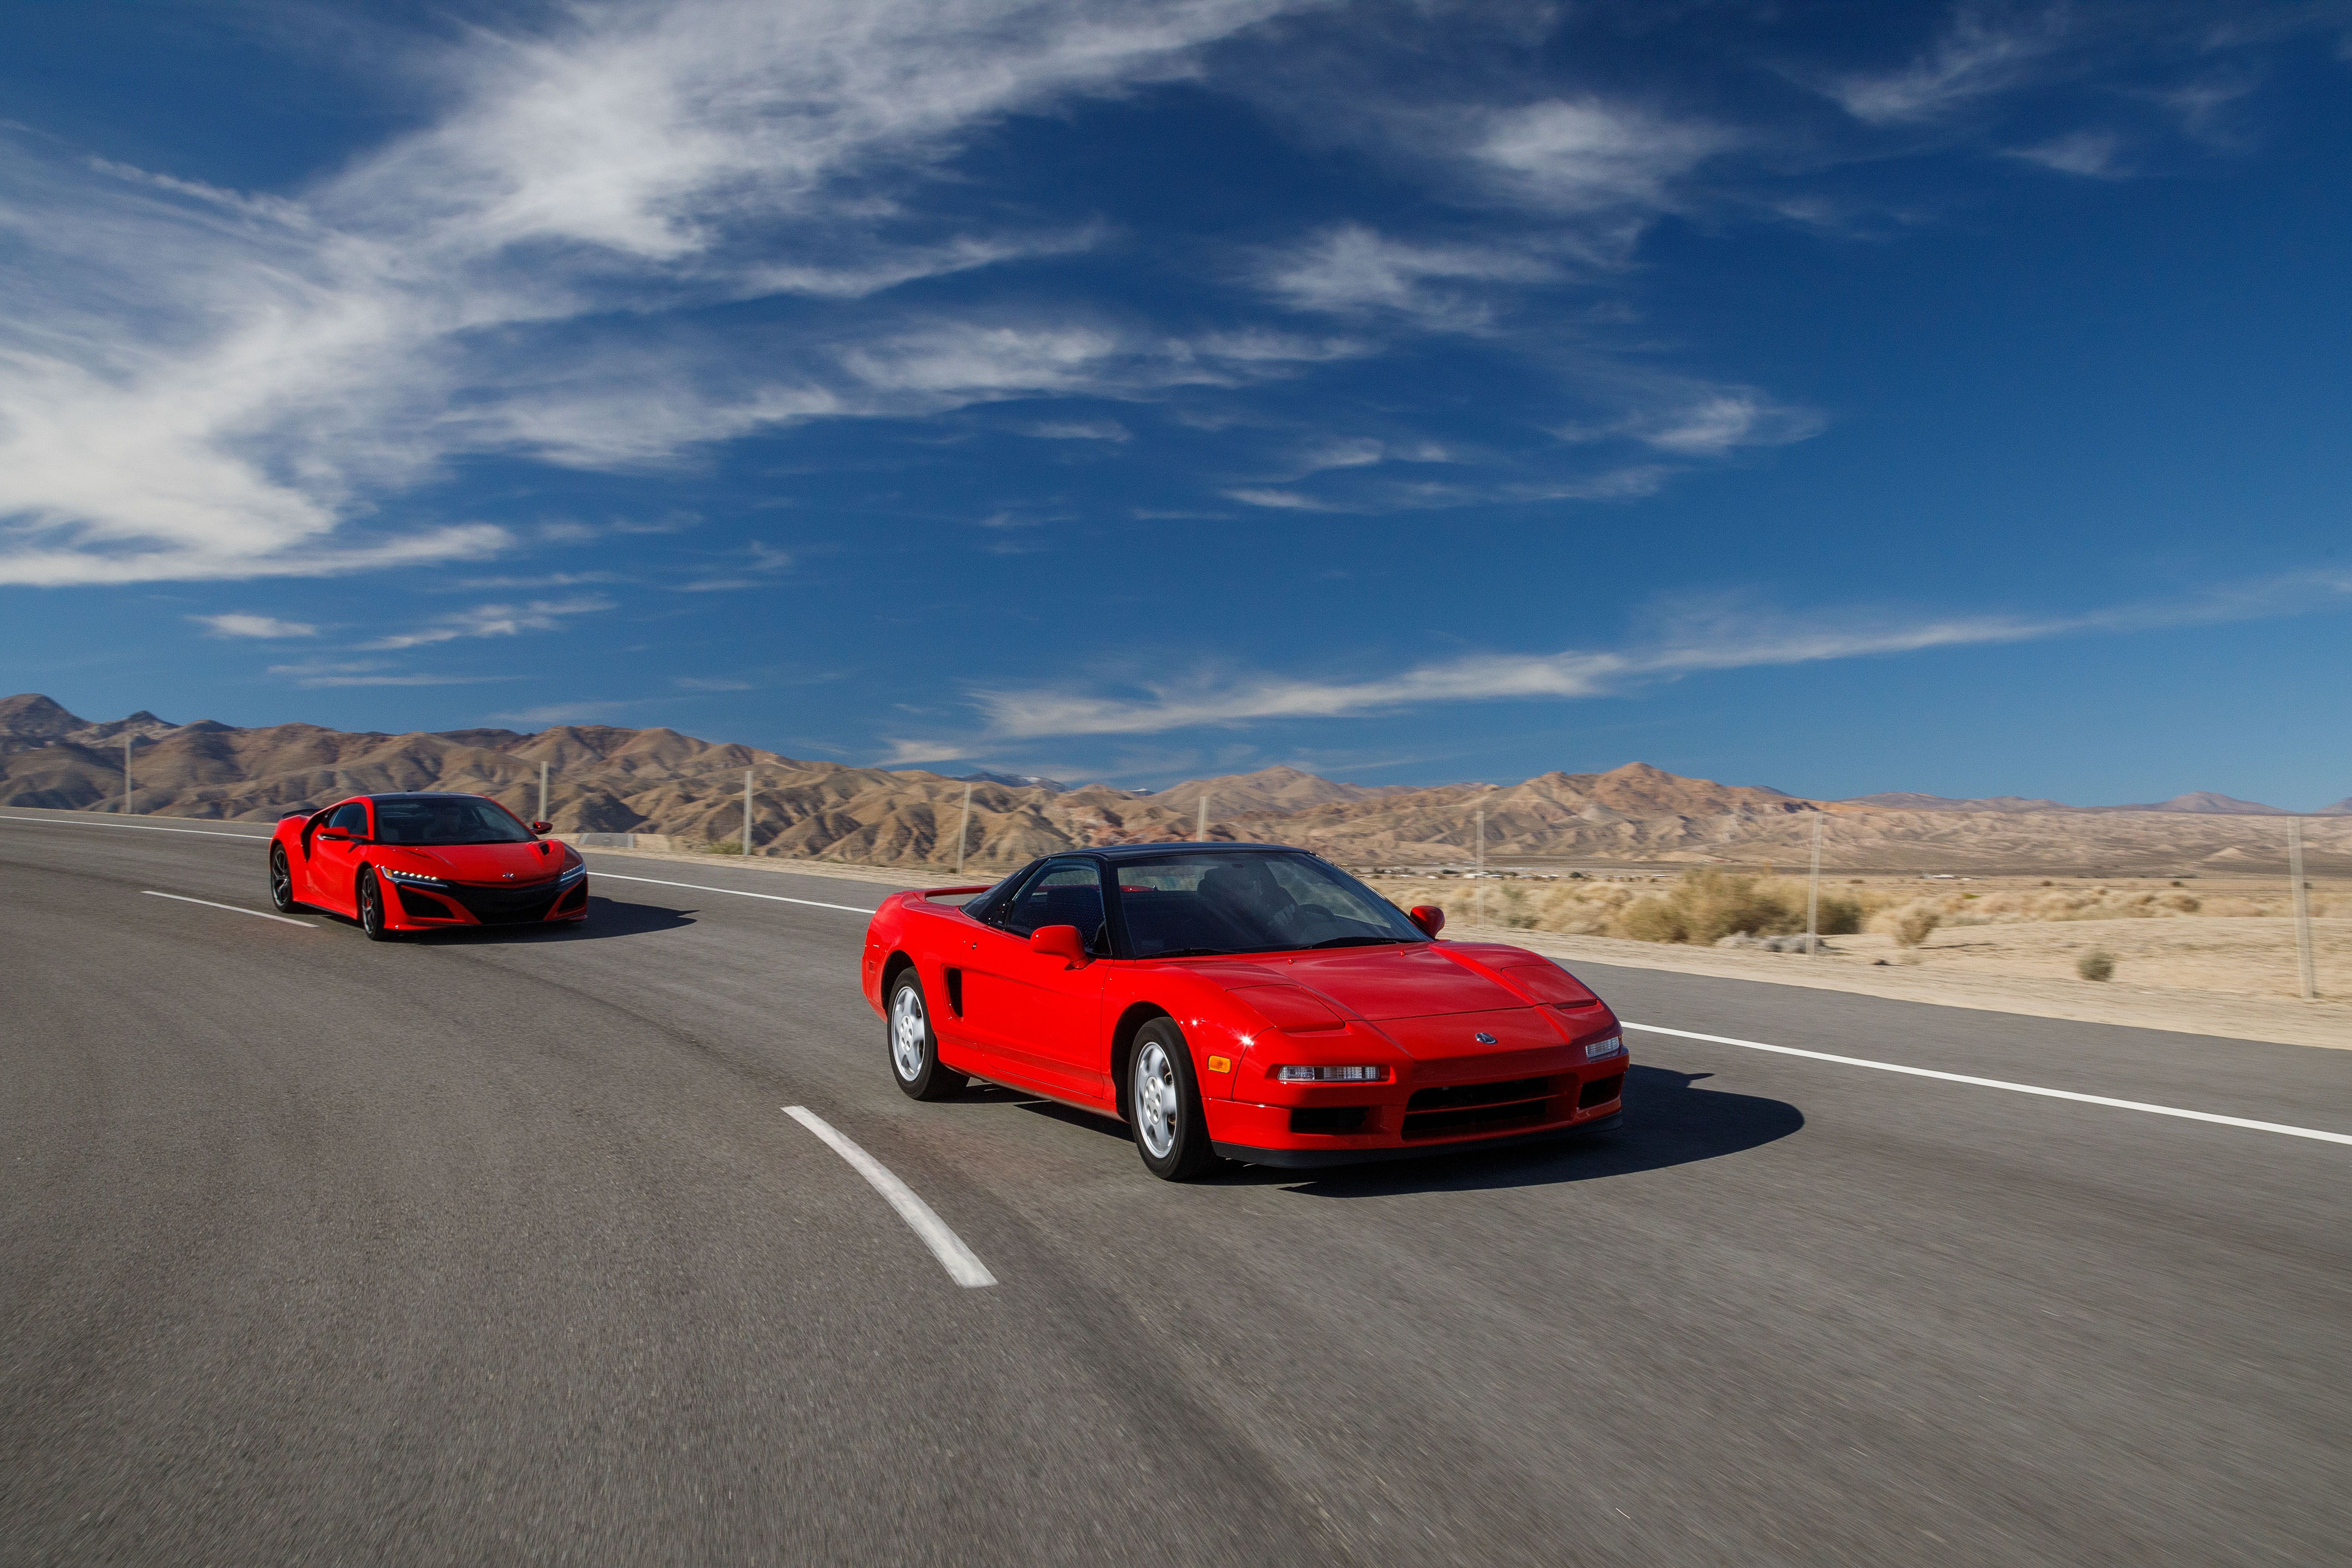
{"x": 1156, "y": 1100}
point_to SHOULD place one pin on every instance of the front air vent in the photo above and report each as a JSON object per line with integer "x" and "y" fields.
{"x": 1601, "y": 1091}
{"x": 1467, "y": 1110}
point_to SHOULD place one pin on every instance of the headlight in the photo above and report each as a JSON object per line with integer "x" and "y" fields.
{"x": 1329, "y": 1075}
{"x": 1608, "y": 1047}
{"x": 413, "y": 879}
{"x": 573, "y": 875}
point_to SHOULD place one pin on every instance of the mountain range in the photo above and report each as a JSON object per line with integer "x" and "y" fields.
{"x": 606, "y": 779}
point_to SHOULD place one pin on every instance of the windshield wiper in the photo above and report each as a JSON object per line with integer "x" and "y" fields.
{"x": 1193, "y": 952}
{"x": 1359, "y": 941}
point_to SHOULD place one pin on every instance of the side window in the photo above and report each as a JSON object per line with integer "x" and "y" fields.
{"x": 1062, "y": 893}
{"x": 350, "y": 820}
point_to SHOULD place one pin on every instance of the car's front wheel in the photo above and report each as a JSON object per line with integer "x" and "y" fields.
{"x": 281, "y": 879}
{"x": 370, "y": 901}
{"x": 915, "y": 1045}
{"x": 1164, "y": 1104}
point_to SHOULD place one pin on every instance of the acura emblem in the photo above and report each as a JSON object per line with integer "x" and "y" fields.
{"x": 510, "y": 876}
{"x": 1483, "y": 1037}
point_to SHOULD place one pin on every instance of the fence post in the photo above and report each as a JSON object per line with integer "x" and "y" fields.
{"x": 542, "y": 790}
{"x": 1478, "y": 893}
{"x": 1813, "y": 893}
{"x": 126, "y": 772}
{"x": 747, "y": 813}
{"x": 2303, "y": 964}
{"x": 963, "y": 828}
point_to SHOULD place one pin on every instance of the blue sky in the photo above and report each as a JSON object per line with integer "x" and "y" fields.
{"x": 1843, "y": 397}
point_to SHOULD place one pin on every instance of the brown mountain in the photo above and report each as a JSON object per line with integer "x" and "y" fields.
{"x": 603, "y": 779}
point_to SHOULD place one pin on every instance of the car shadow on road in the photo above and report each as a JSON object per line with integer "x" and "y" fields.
{"x": 606, "y": 917}
{"x": 1669, "y": 1122}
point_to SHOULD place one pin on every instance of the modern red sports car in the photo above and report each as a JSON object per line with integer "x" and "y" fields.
{"x": 426, "y": 862}
{"x": 1238, "y": 1001}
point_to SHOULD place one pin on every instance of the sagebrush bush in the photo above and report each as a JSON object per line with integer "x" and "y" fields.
{"x": 1915, "y": 925}
{"x": 2096, "y": 964}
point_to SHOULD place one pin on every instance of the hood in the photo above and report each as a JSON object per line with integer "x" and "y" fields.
{"x": 481, "y": 862}
{"x": 1379, "y": 983}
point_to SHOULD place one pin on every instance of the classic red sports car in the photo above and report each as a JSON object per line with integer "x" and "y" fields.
{"x": 1238, "y": 1001}
{"x": 424, "y": 862}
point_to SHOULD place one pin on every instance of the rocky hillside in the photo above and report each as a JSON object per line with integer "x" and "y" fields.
{"x": 658, "y": 781}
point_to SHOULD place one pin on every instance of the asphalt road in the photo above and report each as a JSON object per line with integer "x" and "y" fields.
{"x": 501, "y": 1247}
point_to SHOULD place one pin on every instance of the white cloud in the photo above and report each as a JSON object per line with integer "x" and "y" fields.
{"x": 1584, "y": 155}
{"x": 566, "y": 712}
{"x": 1350, "y": 268}
{"x": 239, "y": 625}
{"x": 1691, "y": 639}
{"x": 196, "y": 383}
{"x": 1980, "y": 55}
{"x": 1079, "y": 430}
{"x": 2091, "y": 153}
{"x": 494, "y": 621}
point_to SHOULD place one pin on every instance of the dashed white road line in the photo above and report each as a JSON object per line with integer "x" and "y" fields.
{"x": 2002, "y": 1083}
{"x": 140, "y": 827}
{"x": 738, "y": 893}
{"x": 232, "y": 908}
{"x": 957, "y": 1258}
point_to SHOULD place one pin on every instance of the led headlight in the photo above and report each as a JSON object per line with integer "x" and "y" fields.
{"x": 1608, "y": 1047}
{"x": 1329, "y": 1075}
{"x": 572, "y": 876}
{"x": 413, "y": 879}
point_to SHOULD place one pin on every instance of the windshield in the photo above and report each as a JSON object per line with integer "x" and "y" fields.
{"x": 455, "y": 819}
{"x": 1182, "y": 905}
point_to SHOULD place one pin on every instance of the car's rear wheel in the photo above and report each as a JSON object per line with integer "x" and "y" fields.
{"x": 370, "y": 901}
{"x": 915, "y": 1045}
{"x": 1164, "y": 1104}
{"x": 281, "y": 879}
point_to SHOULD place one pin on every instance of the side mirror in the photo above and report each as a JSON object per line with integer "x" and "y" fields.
{"x": 1059, "y": 942}
{"x": 1428, "y": 917}
{"x": 542, "y": 827}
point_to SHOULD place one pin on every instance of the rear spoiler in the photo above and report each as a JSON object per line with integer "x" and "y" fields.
{"x": 952, "y": 892}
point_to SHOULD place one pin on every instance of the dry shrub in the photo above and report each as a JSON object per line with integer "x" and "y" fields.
{"x": 2096, "y": 964}
{"x": 1914, "y": 925}
{"x": 1655, "y": 920}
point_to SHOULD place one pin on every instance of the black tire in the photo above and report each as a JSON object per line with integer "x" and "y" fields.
{"x": 371, "y": 907}
{"x": 281, "y": 881}
{"x": 915, "y": 1059}
{"x": 1164, "y": 1104}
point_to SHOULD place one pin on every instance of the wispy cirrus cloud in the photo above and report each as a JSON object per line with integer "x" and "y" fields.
{"x": 494, "y": 621}
{"x": 238, "y": 623}
{"x": 200, "y": 383}
{"x": 1688, "y": 638}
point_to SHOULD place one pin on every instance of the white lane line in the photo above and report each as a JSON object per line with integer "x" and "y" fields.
{"x": 142, "y": 827}
{"x": 232, "y": 908}
{"x": 2000, "y": 1083}
{"x": 957, "y": 1258}
{"x": 697, "y": 887}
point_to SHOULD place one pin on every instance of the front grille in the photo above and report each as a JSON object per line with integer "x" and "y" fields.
{"x": 1461, "y": 1110}
{"x": 506, "y": 906}
{"x": 1327, "y": 1119}
{"x": 577, "y": 898}
{"x": 1601, "y": 1091}
{"x": 1461, "y": 1094}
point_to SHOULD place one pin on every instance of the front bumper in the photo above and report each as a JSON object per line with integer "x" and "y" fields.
{"x": 1323, "y": 1159}
{"x": 462, "y": 904}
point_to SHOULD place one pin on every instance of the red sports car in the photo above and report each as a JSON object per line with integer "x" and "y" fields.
{"x": 423, "y": 862}
{"x": 1238, "y": 1001}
